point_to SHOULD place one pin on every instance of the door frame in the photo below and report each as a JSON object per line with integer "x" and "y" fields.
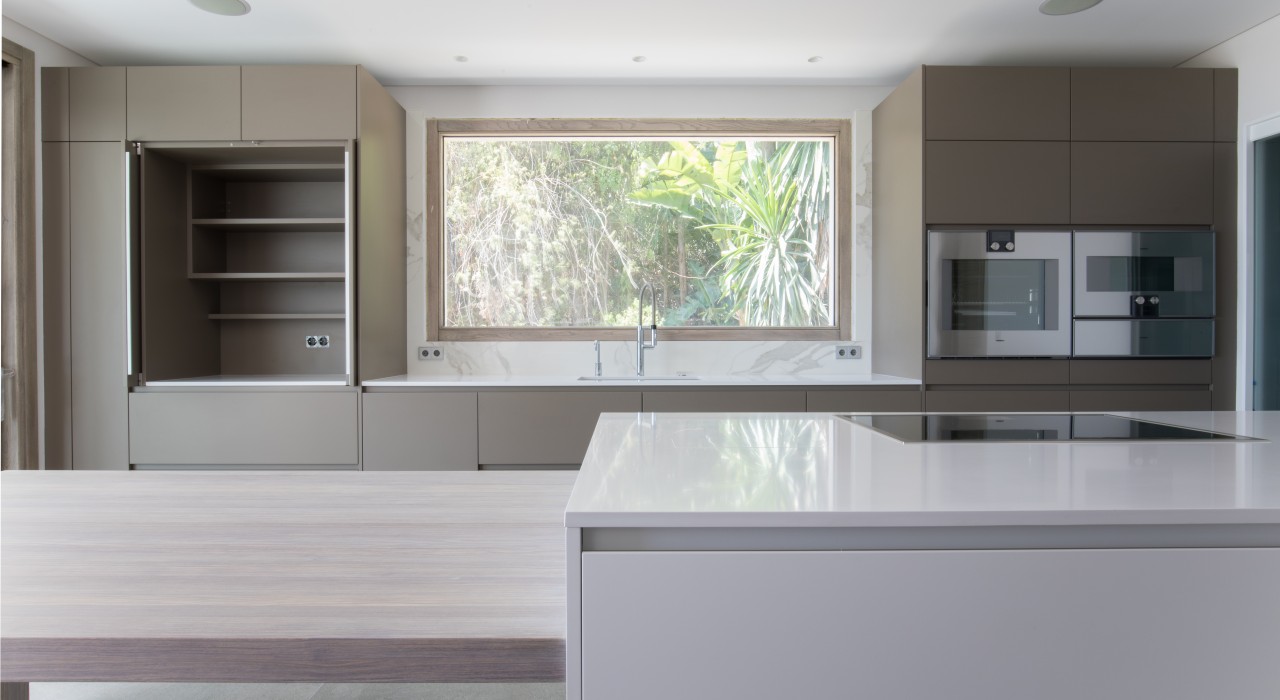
{"x": 1257, "y": 131}
{"x": 21, "y": 427}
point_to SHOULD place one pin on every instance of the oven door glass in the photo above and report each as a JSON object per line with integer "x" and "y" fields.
{"x": 985, "y": 303}
{"x": 1155, "y": 274}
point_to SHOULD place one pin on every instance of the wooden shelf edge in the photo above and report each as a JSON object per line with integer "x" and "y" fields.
{"x": 276, "y": 317}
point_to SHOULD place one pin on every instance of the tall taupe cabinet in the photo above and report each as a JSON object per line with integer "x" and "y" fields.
{"x": 199, "y": 221}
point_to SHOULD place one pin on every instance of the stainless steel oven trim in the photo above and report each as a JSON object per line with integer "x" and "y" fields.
{"x": 1120, "y": 337}
{"x": 1086, "y": 244}
{"x": 971, "y": 244}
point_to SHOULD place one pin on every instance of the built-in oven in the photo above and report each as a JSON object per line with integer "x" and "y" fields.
{"x": 1143, "y": 293}
{"x": 999, "y": 293}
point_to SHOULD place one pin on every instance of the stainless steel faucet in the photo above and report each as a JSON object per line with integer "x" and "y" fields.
{"x": 599, "y": 366}
{"x": 641, "y": 343}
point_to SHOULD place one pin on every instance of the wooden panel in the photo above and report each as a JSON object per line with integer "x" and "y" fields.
{"x": 964, "y": 401}
{"x": 419, "y": 430}
{"x": 1226, "y": 97}
{"x": 699, "y": 401}
{"x": 381, "y": 263}
{"x": 57, "y": 305}
{"x": 1226, "y": 242}
{"x": 55, "y": 116}
{"x": 912, "y": 625}
{"x": 1140, "y": 400}
{"x": 897, "y": 339}
{"x": 298, "y": 102}
{"x": 867, "y": 400}
{"x": 1142, "y": 104}
{"x": 1141, "y": 372}
{"x": 996, "y": 372}
{"x": 97, "y": 104}
{"x": 997, "y": 103}
{"x": 544, "y": 427}
{"x": 1146, "y": 184}
{"x": 286, "y": 428}
{"x": 99, "y": 357}
{"x": 184, "y": 103}
{"x": 996, "y": 182}
{"x": 285, "y": 576}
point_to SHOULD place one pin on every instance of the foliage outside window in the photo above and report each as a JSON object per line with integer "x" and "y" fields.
{"x": 549, "y": 229}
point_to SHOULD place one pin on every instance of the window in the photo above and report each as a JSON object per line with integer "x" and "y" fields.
{"x": 548, "y": 229}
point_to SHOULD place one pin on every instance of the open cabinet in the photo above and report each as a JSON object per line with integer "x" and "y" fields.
{"x": 246, "y": 274}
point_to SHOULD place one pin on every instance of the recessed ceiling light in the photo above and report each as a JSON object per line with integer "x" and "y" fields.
{"x": 230, "y": 8}
{"x": 460, "y": 59}
{"x": 639, "y": 59}
{"x": 815, "y": 59}
{"x": 1066, "y": 7}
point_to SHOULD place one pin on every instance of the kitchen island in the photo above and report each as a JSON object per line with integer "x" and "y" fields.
{"x": 781, "y": 555}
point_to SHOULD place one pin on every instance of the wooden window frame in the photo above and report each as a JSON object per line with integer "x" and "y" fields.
{"x": 841, "y": 130}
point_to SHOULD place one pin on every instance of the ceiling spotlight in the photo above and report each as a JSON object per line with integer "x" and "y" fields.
{"x": 815, "y": 59}
{"x": 230, "y": 8}
{"x": 460, "y": 59}
{"x": 1066, "y": 7}
{"x": 639, "y": 59}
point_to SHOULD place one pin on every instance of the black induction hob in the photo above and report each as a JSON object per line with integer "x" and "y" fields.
{"x": 1028, "y": 427}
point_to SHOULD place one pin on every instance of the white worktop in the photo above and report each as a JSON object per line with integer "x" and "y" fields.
{"x": 815, "y": 470}
{"x": 703, "y": 380}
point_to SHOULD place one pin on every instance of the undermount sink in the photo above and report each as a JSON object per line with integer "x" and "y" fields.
{"x": 648, "y": 378}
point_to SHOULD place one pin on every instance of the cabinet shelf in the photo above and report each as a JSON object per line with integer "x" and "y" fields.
{"x": 268, "y": 276}
{"x": 285, "y": 224}
{"x": 273, "y": 172}
{"x": 275, "y": 317}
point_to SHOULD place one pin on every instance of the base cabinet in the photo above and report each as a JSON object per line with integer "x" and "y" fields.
{"x": 550, "y": 428}
{"x": 1175, "y": 624}
{"x": 246, "y": 429}
{"x": 418, "y": 431}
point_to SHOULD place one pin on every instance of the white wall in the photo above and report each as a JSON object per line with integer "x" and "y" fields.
{"x": 572, "y": 358}
{"x": 48, "y": 53}
{"x": 1256, "y": 55}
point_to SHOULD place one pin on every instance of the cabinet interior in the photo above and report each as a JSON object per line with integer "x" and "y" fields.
{"x": 245, "y": 253}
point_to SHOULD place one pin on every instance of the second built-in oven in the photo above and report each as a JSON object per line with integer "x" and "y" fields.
{"x": 999, "y": 293}
{"x": 1144, "y": 293}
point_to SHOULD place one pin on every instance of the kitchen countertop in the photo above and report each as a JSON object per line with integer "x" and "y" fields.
{"x": 816, "y": 470}
{"x": 704, "y": 380}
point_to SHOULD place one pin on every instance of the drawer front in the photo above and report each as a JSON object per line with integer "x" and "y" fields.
{"x": 731, "y": 401}
{"x": 544, "y": 427}
{"x": 418, "y": 430}
{"x": 1141, "y": 372}
{"x": 996, "y": 371}
{"x": 1141, "y": 400}
{"x": 865, "y": 400}
{"x": 966, "y": 401}
{"x": 249, "y": 428}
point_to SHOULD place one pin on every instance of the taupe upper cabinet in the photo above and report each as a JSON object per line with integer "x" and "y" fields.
{"x": 997, "y": 104}
{"x": 997, "y": 182}
{"x": 184, "y": 103}
{"x": 299, "y": 102}
{"x": 1142, "y": 104}
{"x": 1144, "y": 184}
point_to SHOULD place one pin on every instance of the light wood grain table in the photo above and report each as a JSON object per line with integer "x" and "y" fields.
{"x": 282, "y": 576}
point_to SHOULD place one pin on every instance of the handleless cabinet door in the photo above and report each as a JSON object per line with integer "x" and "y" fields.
{"x": 418, "y": 430}
{"x": 965, "y": 401}
{"x": 299, "y": 102}
{"x": 184, "y": 103}
{"x": 699, "y": 401}
{"x": 1144, "y": 184}
{"x": 997, "y": 182}
{"x": 1142, "y": 104}
{"x": 544, "y": 427}
{"x": 96, "y": 104}
{"x": 865, "y": 400}
{"x": 55, "y": 117}
{"x": 990, "y": 103}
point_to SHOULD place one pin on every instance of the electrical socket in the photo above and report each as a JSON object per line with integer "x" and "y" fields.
{"x": 430, "y": 352}
{"x": 315, "y": 342}
{"x": 848, "y": 352}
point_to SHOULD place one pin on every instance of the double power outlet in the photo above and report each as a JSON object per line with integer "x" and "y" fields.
{"x": 317, "y": 342}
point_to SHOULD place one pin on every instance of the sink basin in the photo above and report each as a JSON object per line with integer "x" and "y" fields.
{"x": 647, "y": 378}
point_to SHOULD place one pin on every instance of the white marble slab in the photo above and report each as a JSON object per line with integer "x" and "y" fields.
{"x": 712, "y": 380}
{"x": 792, "y": 470}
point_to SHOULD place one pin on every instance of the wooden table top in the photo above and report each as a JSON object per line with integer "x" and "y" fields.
{"x": 283, "y": 576}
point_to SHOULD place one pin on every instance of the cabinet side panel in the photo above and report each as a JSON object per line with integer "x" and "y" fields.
{"x": 898, "y": 248}
{"x": 178, "y": 339}
{"x": 1226, "y": 95}
{"x": 57, "y": 306}
{"x": 99, "y": 367}
{"x": 419, "y": 431}
{"x": 380, "y": 233}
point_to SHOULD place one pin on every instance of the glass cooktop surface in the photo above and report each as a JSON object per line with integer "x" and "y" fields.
{"x": 1040, "y": 427}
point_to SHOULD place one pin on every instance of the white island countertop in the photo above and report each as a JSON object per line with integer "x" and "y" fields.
{"x": 701, "y": 380}
{"x": 815, "y": 470}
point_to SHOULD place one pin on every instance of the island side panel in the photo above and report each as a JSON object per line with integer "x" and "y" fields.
{"x": 573, "y": 614}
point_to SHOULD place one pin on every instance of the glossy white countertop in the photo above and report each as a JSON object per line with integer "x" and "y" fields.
{"x": 815, "y": 470}
{"x": 759, "y": 380}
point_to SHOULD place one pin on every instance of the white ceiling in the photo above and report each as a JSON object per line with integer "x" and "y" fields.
{"x": 862, "y": 42}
